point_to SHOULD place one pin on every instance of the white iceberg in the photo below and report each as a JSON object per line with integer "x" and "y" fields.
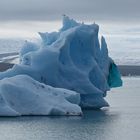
{"x": 21, "y": 95}
{"x": 70, "y": 59}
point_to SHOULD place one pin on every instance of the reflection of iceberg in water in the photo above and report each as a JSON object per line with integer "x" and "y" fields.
{"x": 72, "y": 59}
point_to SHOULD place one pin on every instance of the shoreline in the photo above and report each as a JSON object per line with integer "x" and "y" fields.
{"x": 125, "y": 70}
{"x": 129, "y": 70}
{"x": 5, "y": 66}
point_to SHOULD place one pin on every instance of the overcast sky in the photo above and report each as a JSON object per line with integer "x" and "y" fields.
{"x": 27, "y": 17}
{"x": 81, "y": 9}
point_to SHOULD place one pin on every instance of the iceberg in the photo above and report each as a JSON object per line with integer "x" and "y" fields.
{"x": 21, "y": 95}
{"x": 71, "y": 59}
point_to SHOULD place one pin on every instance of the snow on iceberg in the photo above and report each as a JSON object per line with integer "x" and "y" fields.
{"x": 21, "y": 95}
{"x": 71, "y": 58}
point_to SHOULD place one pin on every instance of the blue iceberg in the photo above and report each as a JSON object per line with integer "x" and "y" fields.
{"x": 71, "y": 59}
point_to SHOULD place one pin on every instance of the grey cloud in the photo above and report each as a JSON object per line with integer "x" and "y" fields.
{"x": 53, "y": 9}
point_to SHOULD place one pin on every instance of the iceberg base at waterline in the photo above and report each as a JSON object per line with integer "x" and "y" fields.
{"x": 70, "y": 60}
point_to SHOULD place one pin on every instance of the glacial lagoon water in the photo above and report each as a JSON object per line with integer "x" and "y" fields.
{"x": 121, "y": 121}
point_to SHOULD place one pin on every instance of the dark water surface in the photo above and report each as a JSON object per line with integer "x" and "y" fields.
{"x": 119, "y": 122}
